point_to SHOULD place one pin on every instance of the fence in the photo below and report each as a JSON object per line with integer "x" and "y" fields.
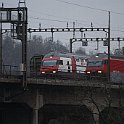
{"x": 10, "y": 71}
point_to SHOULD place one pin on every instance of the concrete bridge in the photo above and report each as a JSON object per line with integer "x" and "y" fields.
{"x": 61, "y": 102}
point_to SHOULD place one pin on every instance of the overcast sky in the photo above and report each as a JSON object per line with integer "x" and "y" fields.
{"x": 56, "y": 13}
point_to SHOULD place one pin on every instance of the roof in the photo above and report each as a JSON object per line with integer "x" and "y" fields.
{"x": 68, "y": 55}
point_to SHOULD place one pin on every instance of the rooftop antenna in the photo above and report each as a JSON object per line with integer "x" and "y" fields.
{"x": 22, "y": 3}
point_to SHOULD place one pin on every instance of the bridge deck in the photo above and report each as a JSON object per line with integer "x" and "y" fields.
{"x": 57, "y": 82}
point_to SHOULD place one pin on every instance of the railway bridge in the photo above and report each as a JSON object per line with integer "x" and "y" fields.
{"x": 55, "y": 101}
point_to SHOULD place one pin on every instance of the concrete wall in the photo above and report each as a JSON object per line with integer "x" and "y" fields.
{"x": 95, "y": 100}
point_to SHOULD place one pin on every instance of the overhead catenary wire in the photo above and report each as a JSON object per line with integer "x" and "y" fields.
{"x": 49, "y": 19}
{"x": 85, "y": 6}
{"x": 70, "y": 20}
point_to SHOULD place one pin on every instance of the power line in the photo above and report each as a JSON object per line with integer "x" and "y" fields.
{"x": 68, "y": 20}
{"x": 67, "y": 2}
{"x": 38, "y": 18}
{"x": 57, "y": 20}
{"x": 47, "y": 19}
{"x": 84, "y": 6}
{"x": 118, "y": 30}
{"x": 63, "y": 21}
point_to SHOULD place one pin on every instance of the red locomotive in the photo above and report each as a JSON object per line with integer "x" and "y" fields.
{"x": 63, "y": 65}
{"x": 98, "y": 66}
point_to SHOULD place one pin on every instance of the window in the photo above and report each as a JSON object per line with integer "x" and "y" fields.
{"x": 105, "y": 61}
{"x": 49, "y": 63}
{"x": 77, "y": 60}
{"x": 67, "y": 62}
{"x": 94, "y": 63}
{"x": 59, "y": 62}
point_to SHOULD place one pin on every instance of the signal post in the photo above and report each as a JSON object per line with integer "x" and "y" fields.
{"x": 17, "y": 17}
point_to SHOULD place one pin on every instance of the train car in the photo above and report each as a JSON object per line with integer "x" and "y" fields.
{"x": 66, "y": 65}
{"x": 98, "y": 66}
{"x": 35, "y": 63}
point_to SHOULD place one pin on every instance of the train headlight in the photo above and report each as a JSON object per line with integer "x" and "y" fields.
{"x": 54, "y": 72}
{"x": 43, "y": 72}
{"x": 99, "y": 71}
{"x": 83, "y": 72}
{"x": 88, "y": 72}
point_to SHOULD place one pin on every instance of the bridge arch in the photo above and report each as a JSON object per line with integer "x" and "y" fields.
{"x": 65, "y": 114}
{"x": 15, "y": 113}
{"x": 112, "y": 115}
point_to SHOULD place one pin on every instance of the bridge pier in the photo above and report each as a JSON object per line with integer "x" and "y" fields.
{"x": 94, "y": 110}
{"x": 37, "y": 105}
{"x": 35, "y": 116}
{"x": 34, "y": 100}
{"x": 95, "y": 116}
{"x": 56, "y": 104}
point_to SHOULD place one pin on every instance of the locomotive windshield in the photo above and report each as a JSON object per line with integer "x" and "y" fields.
{"x": 94, "y": 63}
{"x": 52, "y": 62}
{"x": 49, "y": 63}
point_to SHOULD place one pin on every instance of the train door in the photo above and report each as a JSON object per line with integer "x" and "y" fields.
{"x": 67, "y": 65}
{"x": 81, "y": 65}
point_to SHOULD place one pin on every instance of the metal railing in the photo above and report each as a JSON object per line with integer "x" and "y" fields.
{"x": 10, "y": 71}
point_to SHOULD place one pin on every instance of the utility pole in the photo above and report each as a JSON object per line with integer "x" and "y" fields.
{"x": 73, "y": 29}
{"x": 0, "y": 43}
{"x": 20, "y": 32}
{"x": 109, "y": 49}
{"x": 97, "y": 45}
{"x": 22, "y": 3}
{"x": 70, "y": 45}
{"x": 119, "y": 44}
{"x": 52, "y": 33}
{"x": 24, "y": 53}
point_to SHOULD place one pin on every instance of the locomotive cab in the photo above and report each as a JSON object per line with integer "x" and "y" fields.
{"x": 97, "y": 67}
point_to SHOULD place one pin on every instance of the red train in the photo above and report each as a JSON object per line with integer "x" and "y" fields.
{"x": 63, "y": 65}
{"x": 35, "y": 63}
{"x": 98, "y": 66}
